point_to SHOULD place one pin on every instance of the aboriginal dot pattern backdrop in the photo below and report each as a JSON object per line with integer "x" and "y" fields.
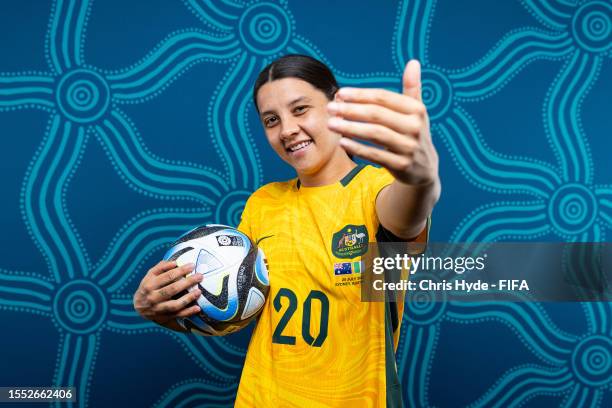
{"x": 125, "y": 124}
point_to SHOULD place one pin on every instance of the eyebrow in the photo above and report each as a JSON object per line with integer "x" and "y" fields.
{"x": 293, "y": 102}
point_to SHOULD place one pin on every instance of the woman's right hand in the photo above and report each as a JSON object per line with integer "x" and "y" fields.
{"x": 154, "y": 301}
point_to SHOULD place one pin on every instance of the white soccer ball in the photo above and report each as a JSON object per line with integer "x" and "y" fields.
{"x": 235, "y": 283}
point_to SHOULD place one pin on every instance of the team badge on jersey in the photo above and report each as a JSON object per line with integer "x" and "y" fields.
{"x": 350, "y": 241}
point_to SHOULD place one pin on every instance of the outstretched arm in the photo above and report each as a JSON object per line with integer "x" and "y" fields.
{"x": 398, "y": 124}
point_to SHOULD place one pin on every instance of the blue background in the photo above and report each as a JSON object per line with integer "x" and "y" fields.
{"x": 126, "y": 123}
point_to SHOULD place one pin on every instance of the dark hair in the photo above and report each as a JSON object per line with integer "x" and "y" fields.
{"x": 302, "y": 67}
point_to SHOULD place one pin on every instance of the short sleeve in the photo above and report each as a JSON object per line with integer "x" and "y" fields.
{"x": 379, "y": 179}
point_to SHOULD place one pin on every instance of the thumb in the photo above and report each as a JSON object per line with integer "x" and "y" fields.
{"x": 411, "y": 80}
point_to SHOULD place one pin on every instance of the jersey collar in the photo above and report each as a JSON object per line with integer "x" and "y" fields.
{"x": 346, "y": 179}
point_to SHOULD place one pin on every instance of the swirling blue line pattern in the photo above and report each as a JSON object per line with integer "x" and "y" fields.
{"x": 96, "y": 179}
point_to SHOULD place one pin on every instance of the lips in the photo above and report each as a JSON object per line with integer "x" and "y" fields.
{"x": 295, "y": 147}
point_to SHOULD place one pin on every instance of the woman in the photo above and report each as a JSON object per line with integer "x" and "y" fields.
{"x": 316, "y": 343}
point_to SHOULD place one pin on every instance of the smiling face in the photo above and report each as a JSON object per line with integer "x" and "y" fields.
{"x": 294, "y": 116}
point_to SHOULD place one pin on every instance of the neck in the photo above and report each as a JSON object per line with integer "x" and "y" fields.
{"x": 331, "y": 172}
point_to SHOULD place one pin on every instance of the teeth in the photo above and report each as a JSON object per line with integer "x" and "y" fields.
{"x": 300, "y": 146}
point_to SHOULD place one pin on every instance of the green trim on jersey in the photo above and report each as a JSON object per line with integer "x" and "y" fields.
{"x": 393, "y": 386}
{"x": 351, "y": 175}
{"x": 346, "y": 179}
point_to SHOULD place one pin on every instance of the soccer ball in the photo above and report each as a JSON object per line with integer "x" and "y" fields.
{"x": 235, "y": 283}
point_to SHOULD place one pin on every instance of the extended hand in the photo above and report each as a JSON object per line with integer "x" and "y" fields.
{"x": 398, "y": 123}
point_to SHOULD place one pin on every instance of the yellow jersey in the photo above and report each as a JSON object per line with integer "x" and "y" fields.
{"x": 316, "y": 344}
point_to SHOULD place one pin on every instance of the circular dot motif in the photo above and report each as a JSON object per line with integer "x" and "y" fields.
{"x": 424, "y": 306}
{"x": 80, "y": 306}
{"x": 83, "y": 96}
{"x": 437, "y": 93}
{"x": 572, "y": 209}
{"x": 265, "y": 28}
{"x": 229, "y": 210}
{"x": 592, "y": 360}
{"x": 592, "y": 26}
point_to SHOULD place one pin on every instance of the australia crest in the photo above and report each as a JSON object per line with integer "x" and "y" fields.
{"x": 350, "y": 241}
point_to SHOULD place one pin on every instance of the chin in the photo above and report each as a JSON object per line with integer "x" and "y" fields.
{"x": 302, "y": 167}
{"x": 305, "y": 165}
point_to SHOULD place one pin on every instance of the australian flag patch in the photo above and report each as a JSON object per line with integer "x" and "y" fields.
{"x": 342, "y": 268}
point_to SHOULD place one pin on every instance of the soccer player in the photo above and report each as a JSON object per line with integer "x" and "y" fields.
{"x": 316, "y": 343}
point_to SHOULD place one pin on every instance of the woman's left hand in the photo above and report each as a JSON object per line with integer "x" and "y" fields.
{"x": 398, "y": 123}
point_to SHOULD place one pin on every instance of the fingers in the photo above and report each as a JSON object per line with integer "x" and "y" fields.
{"x": 411, "y": 80}
{"x": 179, "y": 286}
{"x": 174, "y": 306}
{"x": 363, "y": 112}
{"x": 375, "y": 133}
{"x": 162, "y": 267}
{"x": 390, "y": 160}
{"x": 154, "y": 298}
{"x": 170, "y": 276}
{"x": 149, "y": 283}
{"x": 382, "y": 97}
{"x": 190, "y": 311}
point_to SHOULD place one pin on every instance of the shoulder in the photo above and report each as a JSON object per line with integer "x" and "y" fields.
{"x": 274, "y": 189}
{"x": 370, "y": 172}
{"x": 271, "y": 192}
{"x": 372, "y": 178}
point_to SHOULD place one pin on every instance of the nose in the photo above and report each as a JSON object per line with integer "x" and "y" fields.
{"x": 289, "y": 129}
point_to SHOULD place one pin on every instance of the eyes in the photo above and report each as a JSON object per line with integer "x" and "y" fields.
{"x": 272, "y": 120}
